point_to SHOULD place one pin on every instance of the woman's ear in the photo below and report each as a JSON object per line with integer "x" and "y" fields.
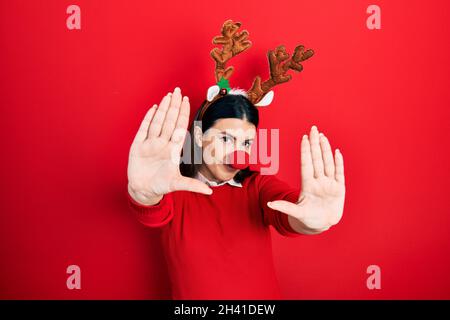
{"x": 198, "y": 136}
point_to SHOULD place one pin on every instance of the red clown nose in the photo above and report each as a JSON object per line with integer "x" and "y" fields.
{"x": 239, "y": 159}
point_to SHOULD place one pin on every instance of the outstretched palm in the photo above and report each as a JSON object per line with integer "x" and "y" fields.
{"x": 321, "y": 201}
{"x": 153, "y": 165}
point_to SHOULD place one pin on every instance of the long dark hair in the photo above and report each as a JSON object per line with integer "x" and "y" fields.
{"x": 229, "y": 106}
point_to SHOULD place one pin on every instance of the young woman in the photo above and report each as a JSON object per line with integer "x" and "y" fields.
{"x": 215, "y": 219}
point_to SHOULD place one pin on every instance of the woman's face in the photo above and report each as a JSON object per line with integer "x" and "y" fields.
{"x": 220, "y": 141}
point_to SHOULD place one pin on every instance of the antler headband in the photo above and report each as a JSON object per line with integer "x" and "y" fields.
{"x": 260, "y": 94}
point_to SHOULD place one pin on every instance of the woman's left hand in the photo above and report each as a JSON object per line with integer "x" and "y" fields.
{"x": 321, "y": 200}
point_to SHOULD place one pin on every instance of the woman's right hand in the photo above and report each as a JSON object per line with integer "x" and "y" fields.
{"x": 154, "y": 158}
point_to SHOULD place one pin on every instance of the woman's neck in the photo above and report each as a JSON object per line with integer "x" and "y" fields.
{"x": 207, "y": 174}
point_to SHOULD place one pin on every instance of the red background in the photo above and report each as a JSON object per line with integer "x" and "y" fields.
{"x": 72, "y": 100}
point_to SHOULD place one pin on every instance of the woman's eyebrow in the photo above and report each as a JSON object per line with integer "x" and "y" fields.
{"x": 228, "y": 134}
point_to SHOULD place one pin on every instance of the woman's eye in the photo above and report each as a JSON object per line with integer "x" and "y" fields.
{"x": 225, "y": 139}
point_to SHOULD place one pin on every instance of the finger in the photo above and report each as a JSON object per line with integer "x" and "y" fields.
{"x": 141, "y": 135}
{"x": 286, "y": 207}
{"x": 339, "y": 159}
{"x": 190, "y": 184}
{"x": 172, "y": 114}
{"x": 327, "y": 155}
{"x": 307, "y": 168}
{"x": 179, "y": 133}
{"x": 316, "y": 152}
{"x": 158, "y": 120}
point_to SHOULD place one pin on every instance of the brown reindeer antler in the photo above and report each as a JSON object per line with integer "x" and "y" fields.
{"x": 279, "y": 65}
{"x": 233, "y": 43}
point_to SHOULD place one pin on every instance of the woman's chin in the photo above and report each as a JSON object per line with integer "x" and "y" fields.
{"x": 228, "y": 172}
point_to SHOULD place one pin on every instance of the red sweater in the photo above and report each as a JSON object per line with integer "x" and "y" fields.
{"x": 219, "y": 246}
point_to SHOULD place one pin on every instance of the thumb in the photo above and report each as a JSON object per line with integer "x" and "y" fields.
{"x": 286, "y": 207}
{"x": 190, "y": 184}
